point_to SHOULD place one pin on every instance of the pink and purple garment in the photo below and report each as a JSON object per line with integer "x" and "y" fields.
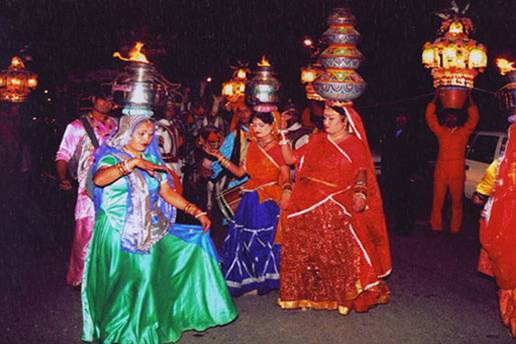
{"x": 76, "y": 141}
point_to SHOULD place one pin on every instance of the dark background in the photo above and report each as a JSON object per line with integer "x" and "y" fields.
{"x": 190, "y": 40}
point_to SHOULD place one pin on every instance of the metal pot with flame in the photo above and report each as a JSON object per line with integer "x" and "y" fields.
{"x": 262, "y": 91}
{"x": 140, "y": 87}
{"x": 507, "y": 94}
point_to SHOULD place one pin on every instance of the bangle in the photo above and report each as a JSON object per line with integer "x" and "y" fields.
{"x": 287, "y": 186}
{"x": 127, "y": 166}
{"x": 187, "y": 206}
{"x": 202, "y": 213}
{"x": 360, "y": 195}
{"x": 283, "y": 142}
{"x": 121, "y": 169}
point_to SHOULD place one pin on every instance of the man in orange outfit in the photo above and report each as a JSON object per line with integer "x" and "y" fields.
{"x": 449, "y": 171}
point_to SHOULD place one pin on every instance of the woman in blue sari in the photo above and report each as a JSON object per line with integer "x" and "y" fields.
{"x": 147, "y": 280}
{"x": 250, "y": 258}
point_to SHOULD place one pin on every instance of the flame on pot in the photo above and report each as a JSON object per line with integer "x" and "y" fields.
{"x": 264, "y": 62}
{"x": 135, "y": 54}
{"x": 505, "y": 66}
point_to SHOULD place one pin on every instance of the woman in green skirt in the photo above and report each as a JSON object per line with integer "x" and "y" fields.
{"x": 146, "y": 279}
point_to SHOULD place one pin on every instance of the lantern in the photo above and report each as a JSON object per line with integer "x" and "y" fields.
{"x": 234, "y": 89}
{"x": 16, "y": 82}
{"x": 454, "y": 58}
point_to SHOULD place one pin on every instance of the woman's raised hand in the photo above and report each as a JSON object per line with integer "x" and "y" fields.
{"x": 283, "y": 120}
{"x": 213, "y": 152}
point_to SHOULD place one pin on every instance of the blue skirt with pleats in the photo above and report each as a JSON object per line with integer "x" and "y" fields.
{"x": 250, "y": 258}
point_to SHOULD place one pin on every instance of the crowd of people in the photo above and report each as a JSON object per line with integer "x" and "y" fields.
{"x": 294, "y": 192}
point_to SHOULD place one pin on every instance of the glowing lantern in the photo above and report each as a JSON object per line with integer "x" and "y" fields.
{"x": 308, "y": 74}
{"x": 16, "y": 82}
{"x": 455, "y": 59}
{"x": 234, "y": 89}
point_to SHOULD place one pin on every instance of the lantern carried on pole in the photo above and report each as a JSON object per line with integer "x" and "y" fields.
{"x": 16, "y": 82}
{"x": 454, "y": 58}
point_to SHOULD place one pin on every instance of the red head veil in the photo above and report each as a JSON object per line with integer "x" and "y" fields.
{"x": 373, "y": 217}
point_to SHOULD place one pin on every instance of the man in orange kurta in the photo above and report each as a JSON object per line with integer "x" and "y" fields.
{"x": 449, "y": 171}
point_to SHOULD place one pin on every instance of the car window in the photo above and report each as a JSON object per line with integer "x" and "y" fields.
{"x": 483, "y": 148}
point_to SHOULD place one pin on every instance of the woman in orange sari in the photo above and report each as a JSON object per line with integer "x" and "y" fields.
{"x": 250, "y": 258}
{"x": 335, "y": 249}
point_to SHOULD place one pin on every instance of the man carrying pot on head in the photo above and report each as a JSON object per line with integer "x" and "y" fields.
{"x": 74, "y": 158}
{"x": 449, "y": 174}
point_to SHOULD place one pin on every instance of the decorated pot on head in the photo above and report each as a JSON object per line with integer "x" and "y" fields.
{"x": 262, "y": 91}
{"x": 341, "y": 57}
{"x": 339, "y": 84}
{"x": 341, "y": 35}
{"x": 341, "y": 16}
{"x": 507, "y": 94}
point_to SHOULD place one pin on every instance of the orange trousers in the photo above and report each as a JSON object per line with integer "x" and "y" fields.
{"x": 441, "y": 186}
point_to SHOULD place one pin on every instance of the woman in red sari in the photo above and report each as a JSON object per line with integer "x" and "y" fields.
{"x": 498, "y": 233}
{"x": 335, "y": 249}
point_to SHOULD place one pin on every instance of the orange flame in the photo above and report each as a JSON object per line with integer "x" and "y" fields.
{"x": 264, "y": 62}
{"x": 505, "y": 66}
{"x": 135, "y": 54}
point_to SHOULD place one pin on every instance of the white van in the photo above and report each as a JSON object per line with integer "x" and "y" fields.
{"x": 484, "y": 147}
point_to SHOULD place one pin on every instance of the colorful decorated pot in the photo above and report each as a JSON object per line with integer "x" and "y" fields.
{"x": 339, "y": 85}
{"x": 341, "y": 57}
{"x": 453, "y": 97}
{"x": 341, "y": 35}
{"x": 341, "y": 16}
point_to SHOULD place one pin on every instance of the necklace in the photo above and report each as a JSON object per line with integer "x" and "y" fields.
{"x": 339, "y": 136}
{"x": 265, "y": 143}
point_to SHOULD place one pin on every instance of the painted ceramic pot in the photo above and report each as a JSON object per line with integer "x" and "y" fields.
{"x": 341, "y": 16}
{"x": 263, "y": 88}
{"x": 339, "y": 85}
{"x": 341, "y": 35}
{"x": 341, "y": 57}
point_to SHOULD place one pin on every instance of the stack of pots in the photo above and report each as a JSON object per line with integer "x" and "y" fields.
{"x": 339, "y": 81}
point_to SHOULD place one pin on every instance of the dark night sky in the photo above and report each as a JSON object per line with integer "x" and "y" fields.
{"x": 203, "y": 37}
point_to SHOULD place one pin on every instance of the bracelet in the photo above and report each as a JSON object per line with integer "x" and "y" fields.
{"x": 126, "y": 166}
{"x": 187, "y": 206}
{"x": 224, "y": 162}
{"x": 283, "y": 142}
{"x": 121, "y": 169}
{"x": 287, "y": 186}
{"x": 202, "y": 213}
{"x": 360, "y": 195}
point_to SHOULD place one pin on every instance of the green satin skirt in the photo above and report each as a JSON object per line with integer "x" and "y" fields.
{"x": 152, "y": 298}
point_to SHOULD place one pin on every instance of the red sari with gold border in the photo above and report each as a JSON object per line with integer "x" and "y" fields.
{"x": 498, "y": 234}
{"x": 333, "y": 257}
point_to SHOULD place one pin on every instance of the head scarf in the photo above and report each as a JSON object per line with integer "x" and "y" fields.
{"x": 148, "y": 216}
{"x": 373, "y": 216}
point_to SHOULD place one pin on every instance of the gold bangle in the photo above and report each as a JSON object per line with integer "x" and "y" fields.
{"x": 202, "y": 213}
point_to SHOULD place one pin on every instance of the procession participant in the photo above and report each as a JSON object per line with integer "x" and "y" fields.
{"x": 498, "y": 228}
{"x": 250, "y": 259}
{"x": 335, "y": 249}
{"x": 81, "y": 138}
{"x": 146, "y": 279}
{"x": 170, "y": 131}
{"x": 449, "y": 173}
